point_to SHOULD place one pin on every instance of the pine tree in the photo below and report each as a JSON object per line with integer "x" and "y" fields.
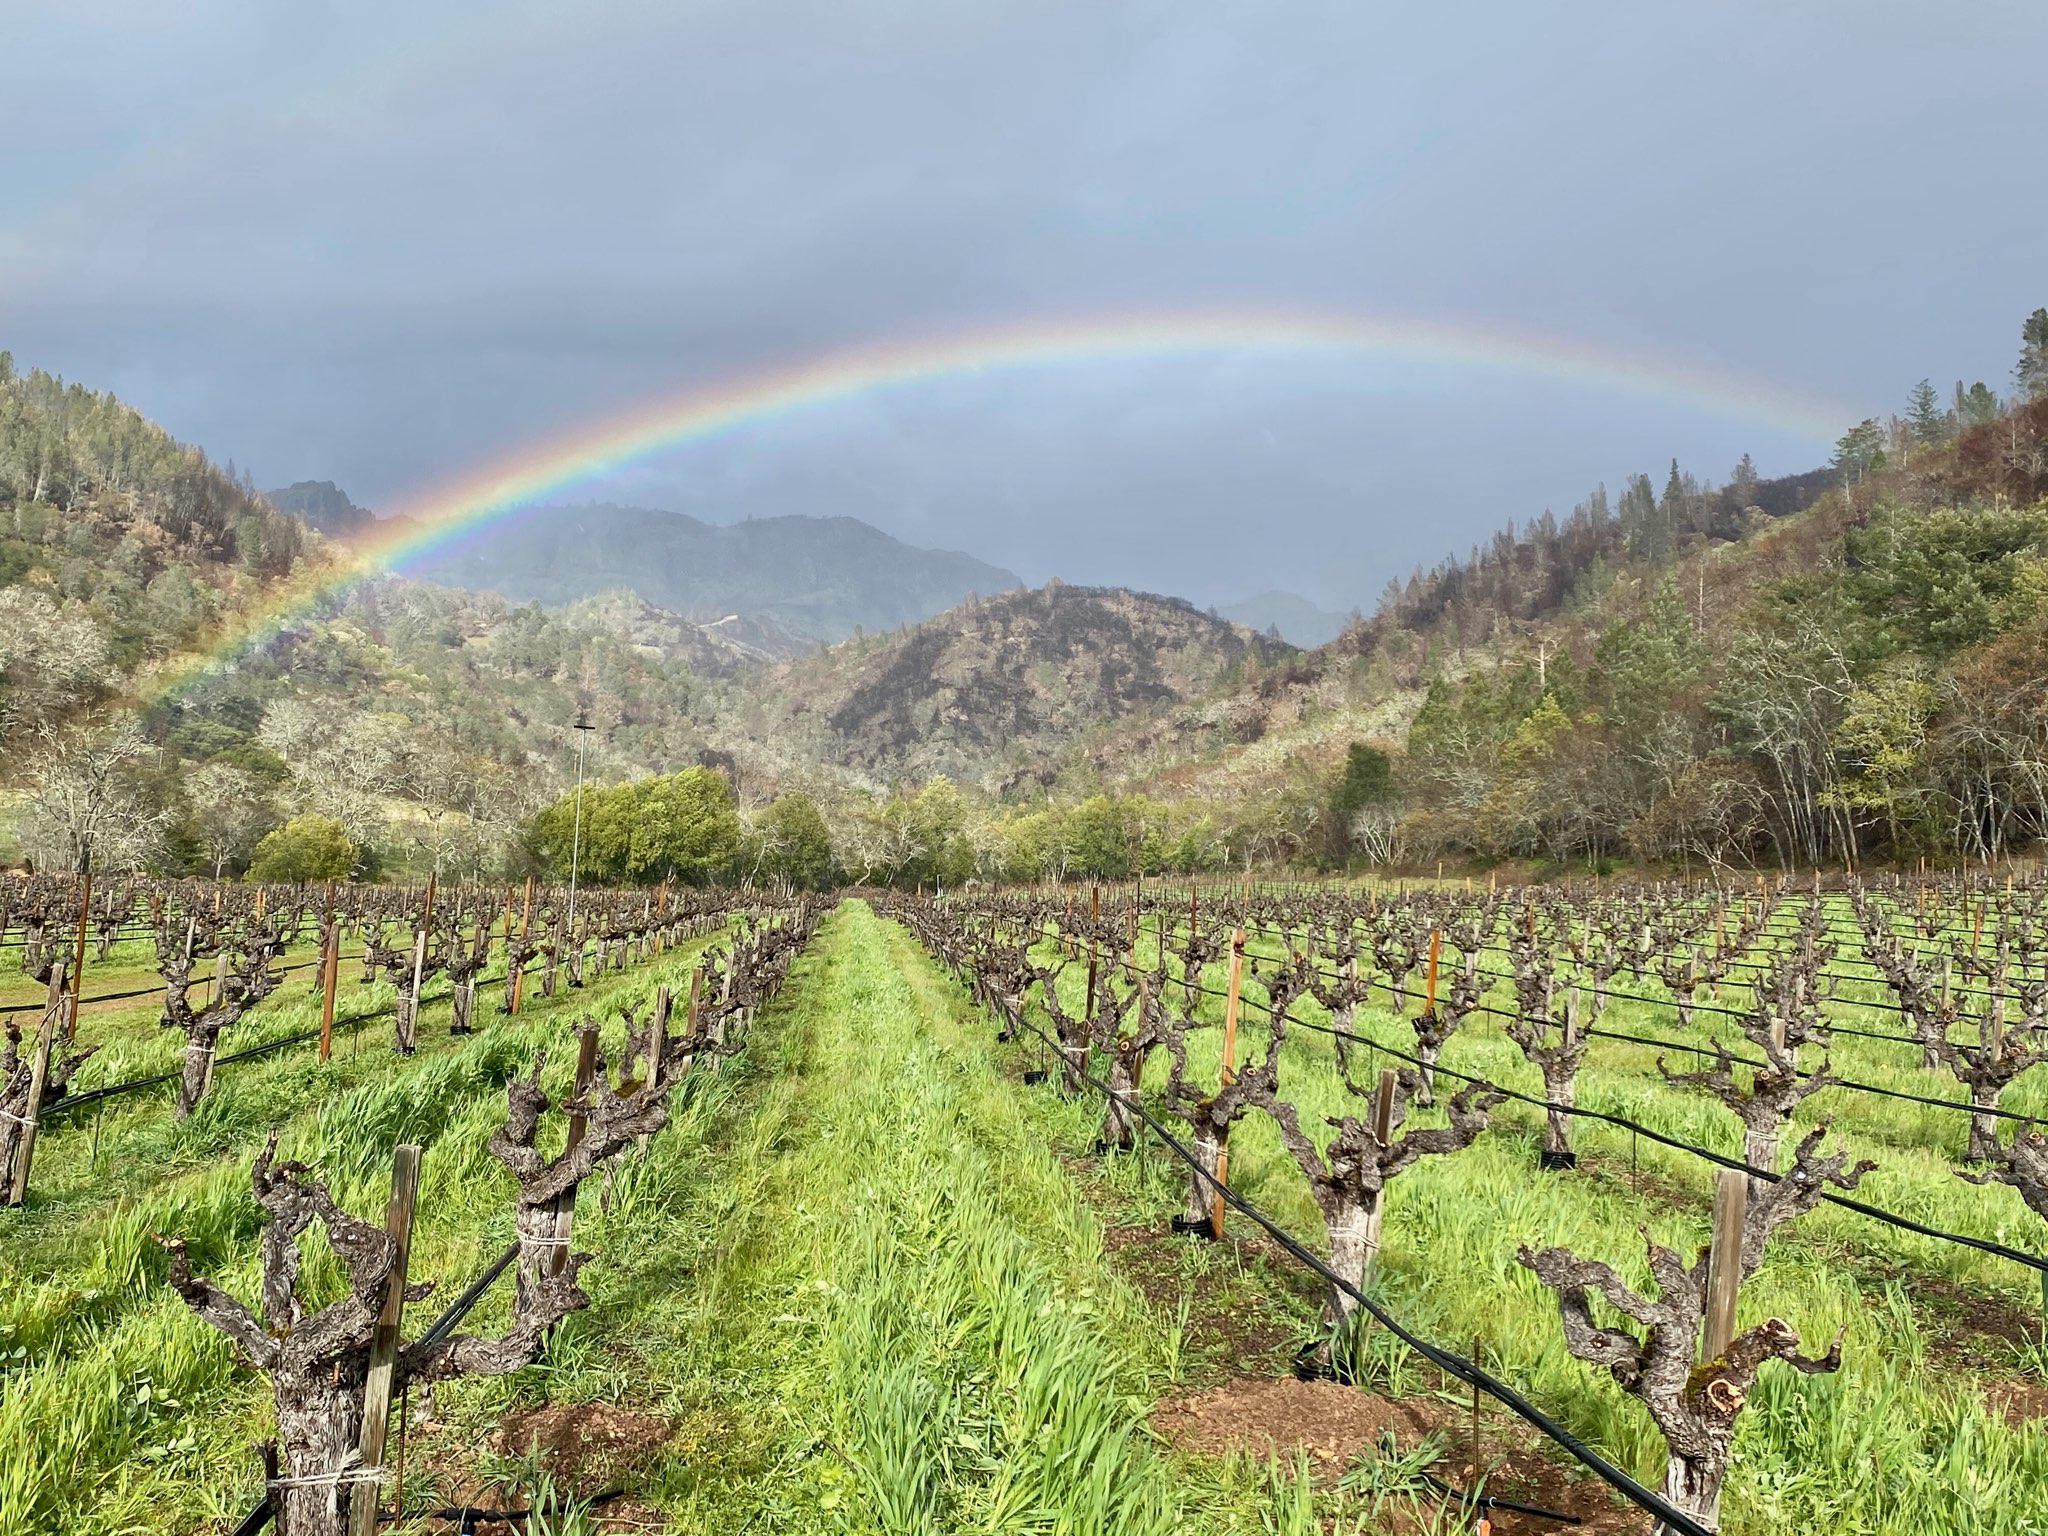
{"x": 1671, "y": 512}
{"x": 2032, "y": 372}
{"x": 1860, "y": 450}
{"x": 1976, "y": 405}
{"x": 1924, "y": 414}
{"x": 1637, "y": 514}
{"x": 1744, "y": 482}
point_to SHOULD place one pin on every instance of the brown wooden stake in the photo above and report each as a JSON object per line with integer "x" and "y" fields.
{"x": 1724, "y": 1267}
{"x": 78, "y": 958}
{"x": 419, "y": 972}
{"x": 565, "y": 1209}
{"x": 525, "y": 927}
{"x": 1094, "y": 916}
{"x": 1436, "y": 946}
{"x": 1383, "y": 1133}
{"x": 38, "y": 1076}
{"x": 327, "y": 984}
{"x": 405, "y": 1188}
{"x": 1230, "y": 1006}
{"x": 657, "y": 1034}
{"x": 1227, "y": 1074}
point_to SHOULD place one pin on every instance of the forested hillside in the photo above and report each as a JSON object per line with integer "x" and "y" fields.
{"x": 1675, "y": 680}
{"x": 1841, "y": 665}
{"x": 1006, "y": 692}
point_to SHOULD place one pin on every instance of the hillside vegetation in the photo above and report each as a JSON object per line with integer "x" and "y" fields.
{"x": 1836, "y": 666}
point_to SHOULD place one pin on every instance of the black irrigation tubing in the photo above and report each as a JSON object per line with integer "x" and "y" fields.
{"x": 113, "y": 1090}
{"x": 1470, "y": 1500}
{"x": 439, "y": 1329}
{"x": 136, "y": 1084}
{"x": 1656, "y": 1002}
{"x": 1876, "y": 1213}
{"x": 1878, "y": 1004}
{"x": 150, "y": 991}
{"x": 1595, "y": 1032}
{"x": 1846, "y": 1084}
{"x": 1833, "y": 1082}
{"x": 1835, "y": 928}
{"x": 1467, "y": 1371}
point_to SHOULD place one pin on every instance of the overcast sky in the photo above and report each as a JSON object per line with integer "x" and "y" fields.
{"x": 382, "y": 243}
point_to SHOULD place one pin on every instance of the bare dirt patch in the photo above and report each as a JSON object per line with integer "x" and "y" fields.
{"x": 588, "y": 1450}
{"x": 583, "y": 1444}
{"x": 1334, "y": 1426}
{"x": 1248, "y": 1305}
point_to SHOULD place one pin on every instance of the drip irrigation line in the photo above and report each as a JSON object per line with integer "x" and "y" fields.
{"x": 1594, "y": 1031}
{"x": 1880, "y": 1004}
{"x": 1467, "y": 1371}
{"x": 446, "y": 1323}
{"x": 1876, "y": 1213}
{"x": 135, "y": 1085}
{"x": 1832, "y": 1082}
{"x": 151, "y": 991}
{"x": 1502, "y": 1013}
{"x": 1469, "y": 1500}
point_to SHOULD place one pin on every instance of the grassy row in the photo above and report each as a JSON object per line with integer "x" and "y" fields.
{"x": 879, "y": 1304}
{"x": 120, "y": 1411}
{"x": 1902, "y": 1440}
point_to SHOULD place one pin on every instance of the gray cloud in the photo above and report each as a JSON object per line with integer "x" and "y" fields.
{"x": 350, "y": 243}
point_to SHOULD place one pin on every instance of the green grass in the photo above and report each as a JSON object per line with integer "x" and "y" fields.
{"x": 120, "y": 1411}
{"x": 862, "y": 1276}
{"x": 879, "y": 1303}
{"x": 1901, "y": 1441}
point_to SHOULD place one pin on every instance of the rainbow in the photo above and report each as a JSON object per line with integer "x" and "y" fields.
{"x": 597, "y": 448}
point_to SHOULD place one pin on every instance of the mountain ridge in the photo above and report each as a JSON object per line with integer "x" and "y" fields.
{"x": 820, "y": 579}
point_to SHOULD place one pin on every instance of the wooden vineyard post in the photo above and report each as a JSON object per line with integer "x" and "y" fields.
{"x": 419, "y": 968}
{"x": 78, "y": 956}
{"x": 657, "y": 1034}
{"x": 1724, "y": 1267}
{"x": 565, "y": 1207}
{"x": 1227, "y": 1076}
{"x": 657, "y": 1047}
{"x": 405, "y": 1187}
{"x": 1436, "y": 947}
{"x": 1094, "y": 915}
{"x": 1383, "y": 1133}
{"x": 333, "y": 973}
{"x": 525, "y": 926}
{"x": 690, "y": 1016}
{"x": 38, "y": 1076}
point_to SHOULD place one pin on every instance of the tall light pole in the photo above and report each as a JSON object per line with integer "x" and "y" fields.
{"x": 583, "y": 729}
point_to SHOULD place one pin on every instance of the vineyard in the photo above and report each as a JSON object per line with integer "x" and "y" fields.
{"x": 1141, "y": 1207}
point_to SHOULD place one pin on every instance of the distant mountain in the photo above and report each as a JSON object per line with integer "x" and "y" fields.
{"x": 323, "y": 505}
{"x": 1003, "y": 690}
{"x": 1297, "y": 620}
{"x": 818, "y": 579}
